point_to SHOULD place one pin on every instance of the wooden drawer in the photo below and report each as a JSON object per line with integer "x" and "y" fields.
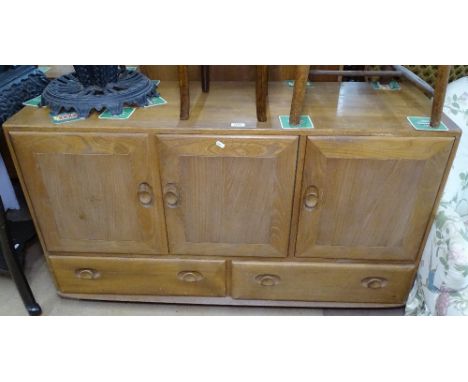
{"x": 125, "y": 276}
{"x": 321, "y": 282}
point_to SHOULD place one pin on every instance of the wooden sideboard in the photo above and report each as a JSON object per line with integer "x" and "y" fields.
{"x": 157, "y": 209}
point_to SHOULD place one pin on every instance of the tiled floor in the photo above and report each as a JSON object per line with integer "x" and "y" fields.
{"x": 44, "y": 290}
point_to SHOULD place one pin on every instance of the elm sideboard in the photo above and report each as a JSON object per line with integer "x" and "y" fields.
{"x": 223, "y": 209}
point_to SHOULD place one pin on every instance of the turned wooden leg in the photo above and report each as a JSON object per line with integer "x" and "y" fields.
{"x": 184, "y": 92}
{"x": 261, "y": 92}
{"x": 205, "y": 78}
{"x": 300, "y": 83}
{"x": 443, "y": 73}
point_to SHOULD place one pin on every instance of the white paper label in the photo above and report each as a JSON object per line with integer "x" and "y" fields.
{"x": 237, "y": 124}
{"x": 220, "y": 144}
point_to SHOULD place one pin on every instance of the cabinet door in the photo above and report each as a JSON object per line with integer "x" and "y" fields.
{"x": 93, "y": 192}
{"x": 228, "y": 196}
{"x": 369, "y": 197}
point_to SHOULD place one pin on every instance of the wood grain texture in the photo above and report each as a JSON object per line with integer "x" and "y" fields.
{"x": 336, "y": 109}
{"x": 440, "y": 90}
{"x": 245, "y": 210}
{"x": 157, "y": 277}
{"x": 184, "y": 92}
{"x": 299, "y": 90}
{"x": 450, "y": 123}
{"x": 341, "y": 283}
{"x": 84, "y": 189}
{"x": 297, "y": 202}
{"x": 261, "y": 92}
{"x": 375, "y": 196}
{"x": 244, "y": 199}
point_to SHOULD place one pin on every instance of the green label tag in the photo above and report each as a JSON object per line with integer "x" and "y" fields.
{"x": 65, "y": 117}
{"x": 126, "y": 113}
{"x": 423, "y": 123}
{"x": 392, "y": 85}
{"x": 304, "y": 122}
{"x": 34, "y": 102}
{"x": 131, "y": 68}
{"x": 156, "y": 101}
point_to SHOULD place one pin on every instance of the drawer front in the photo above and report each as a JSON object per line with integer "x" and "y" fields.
{"x": 386, "y": 284}
{"x": 125, "y": 276}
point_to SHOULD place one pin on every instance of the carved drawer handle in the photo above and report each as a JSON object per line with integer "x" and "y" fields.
{"x": 145, "y": 194}
{"x": 87, "y": 274}
{"x": 171, "y": 195}
{"x": 267, "y": 280}
{"x": 374, "y": 282}
{"x": 190, "y": 276}
{"x": 311, "y": 197}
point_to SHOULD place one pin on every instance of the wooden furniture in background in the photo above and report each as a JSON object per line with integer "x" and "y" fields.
{"x": 261, "y": 90}
{"x": 303, "y": 71}
{"x": 235, "y": 72}
{"x": 197, "y": 211}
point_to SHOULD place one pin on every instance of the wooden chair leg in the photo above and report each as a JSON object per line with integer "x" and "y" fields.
{"x": 439, "y": 94}
{"x": 205, "y": 78}
{"x": 261, "y": 92}
{"x": 15, "y": 270}
{"x": 184, "y": 92}
{"x": 300, "y": 83}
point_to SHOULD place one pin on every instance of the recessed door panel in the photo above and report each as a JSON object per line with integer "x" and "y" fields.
{"x": 228, "y": 196}
{"x": 369, "y": 197}
{"x": 93, "y": 192}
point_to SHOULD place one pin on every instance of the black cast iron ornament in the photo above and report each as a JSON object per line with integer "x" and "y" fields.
{"x": 98, "y": 87}
{"x": 18, "y": 84}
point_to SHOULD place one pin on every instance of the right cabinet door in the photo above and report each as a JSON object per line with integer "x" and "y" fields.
{"x": 369, "y": 197}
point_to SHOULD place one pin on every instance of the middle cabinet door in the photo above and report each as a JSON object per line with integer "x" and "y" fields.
{"x": 228, "y": 195}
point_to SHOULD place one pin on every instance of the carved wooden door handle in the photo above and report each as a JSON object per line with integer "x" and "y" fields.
{"x": 267, "y": 279}
{"x": 374, "y": 282}
{"x": 311, "y": 197}
{"x": 190, "y": 276}
{"x": 145, "y": 194}
{"x": 171, "y": 195}
{"x": 87, "y": 274}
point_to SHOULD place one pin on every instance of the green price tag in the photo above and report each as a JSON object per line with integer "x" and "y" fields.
{"x": 304, "y": 122}
{"x": 126, "y": 113}
{"x": 422, "y": 123}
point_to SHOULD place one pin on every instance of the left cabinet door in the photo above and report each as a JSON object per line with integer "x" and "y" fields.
{"x": 93, "y": 192}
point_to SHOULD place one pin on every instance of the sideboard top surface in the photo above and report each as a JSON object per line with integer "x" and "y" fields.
{"x": 335, "y": 108}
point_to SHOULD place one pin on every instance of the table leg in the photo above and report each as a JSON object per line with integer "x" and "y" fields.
{"x": 184, "y": 92}
{"x": 261, "y": 92}
{"x": 205, "y": 78}
{"x": 300, "y": 84}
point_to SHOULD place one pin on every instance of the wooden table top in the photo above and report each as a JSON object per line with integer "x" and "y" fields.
{"x": 349, "y": 108}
